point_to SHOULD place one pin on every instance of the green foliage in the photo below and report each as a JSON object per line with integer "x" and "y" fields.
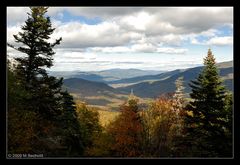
{"x": 36, "y": 32}
{"x": 207, "y": 129}
{"x": 102, "y": 145}
{"x": 30, "y": 69}
{"x": 21, "y": 121}
{"x": 17, "y": 95}
{"x": 68, "y": 127}
{"x": 89, "y": 125}
{"x": 47, "y": 115}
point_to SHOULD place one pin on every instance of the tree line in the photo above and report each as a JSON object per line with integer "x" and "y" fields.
{"x": 44, "y": 119}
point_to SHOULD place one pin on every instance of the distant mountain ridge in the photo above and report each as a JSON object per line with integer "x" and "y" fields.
{"x": 147, "y": 86}
{"x": 156, "y": 88}
{"x": 105, "y": 75}
{"x": 117, "y": 74}
{"x": 147, "y": 77}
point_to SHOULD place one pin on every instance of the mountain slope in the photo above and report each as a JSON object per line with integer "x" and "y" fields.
{"x": 87, "y": 88}
{"x": 117, "y": 74}
{"x": 146, "y": 78}
{"x": 95, "y": 94}
{"x": 154, "y": 89}
{"x": 89, "y": 76}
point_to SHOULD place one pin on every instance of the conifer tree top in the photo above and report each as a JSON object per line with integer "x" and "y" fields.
{"x": 210, "y": 58}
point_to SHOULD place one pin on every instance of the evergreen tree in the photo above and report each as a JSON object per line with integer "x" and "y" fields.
{"x": 35, "y": 36}
{"x": 57, "y": 131}
{"x": 31, "y": 68}
{"x": 21, "y": 122}
{"x": 207, "y": 121}
{"x": 69, "y": 126}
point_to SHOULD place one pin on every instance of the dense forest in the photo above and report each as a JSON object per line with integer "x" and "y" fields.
{"x": 43, "y": 118}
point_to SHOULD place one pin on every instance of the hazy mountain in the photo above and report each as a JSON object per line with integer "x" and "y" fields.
{"x": 95, "y": 93}
{"x": 64, "y": 74}
{"x": 104, "y": 75}
{"x": 87, "y": 88}
{"x": 226, "y": 64}
{"x": 89, "y": 76}
{"x": 117, "y": 74}
{"x": 148, "y": 86}
{"x": 147, "y": 77}
{"x": 156, "y": 88}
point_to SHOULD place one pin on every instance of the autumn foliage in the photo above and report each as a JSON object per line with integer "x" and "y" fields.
{"x": 45, "y": 119}
{"x": 126, "y": 131}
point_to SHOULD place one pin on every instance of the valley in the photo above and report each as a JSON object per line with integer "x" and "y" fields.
{"x": 109, "y": 89}
{"x": 119, "y": 82}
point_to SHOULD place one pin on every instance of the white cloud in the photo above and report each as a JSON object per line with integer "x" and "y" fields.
{"x": 144, "y": 47}
{"x": 130, "y": 30}
{"x": 210, "y": 33}
{"x": 103, "y": 12}
{"x": 79, "y": 55}
{"x": 197, "y": 19}
{"x": 214, "y": 41}
{"x": 195, "y": 41}
{"x": 207, "y": 37}
{"x": 73, "y": 54}
{"x": 140, "y": 48}
{"x": 203, "y": 16}
{"x": 171, "y": 39}
{"x": 138, "y": 21}
{"x": 127, "y": 25}
{"x": 190, "y": 19}
{"x": 77, "y": 35}
{"x": 16, "y": 15}
{"x": 168, "y": 39}
{"x": 13, "y": 30}
{"x": 172, "y": 50}
{"x": 221, "y": 41}
{"x": 117, "y": 49}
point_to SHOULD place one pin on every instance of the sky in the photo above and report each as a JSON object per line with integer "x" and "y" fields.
{"x": 150, "y": 38}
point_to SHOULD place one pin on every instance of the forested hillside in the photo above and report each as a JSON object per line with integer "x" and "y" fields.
{"x": 52, "y": 117}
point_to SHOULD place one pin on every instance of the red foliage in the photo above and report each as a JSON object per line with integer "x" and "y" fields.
{"x": 126, "y": 131}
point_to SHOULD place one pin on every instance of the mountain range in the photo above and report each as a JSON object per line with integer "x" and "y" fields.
{"x": 105, "y": 75}
{"x": 154, "y": 88}
{"x": 113, "y": 86}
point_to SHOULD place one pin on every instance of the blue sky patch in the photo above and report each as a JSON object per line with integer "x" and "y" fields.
{"x": 66, "y": 16}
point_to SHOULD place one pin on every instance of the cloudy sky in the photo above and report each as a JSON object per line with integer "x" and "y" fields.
{"x": 159, "y": 38}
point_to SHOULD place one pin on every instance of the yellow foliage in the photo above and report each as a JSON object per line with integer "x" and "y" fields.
{"x": 105, "y": 117}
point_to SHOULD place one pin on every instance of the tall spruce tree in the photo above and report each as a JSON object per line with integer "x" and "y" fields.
{"x": 209, "y": 116}
{"x": 35, "y": 36}
{"x": 57, "y": 131}
{"x": 31, "y": 68}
